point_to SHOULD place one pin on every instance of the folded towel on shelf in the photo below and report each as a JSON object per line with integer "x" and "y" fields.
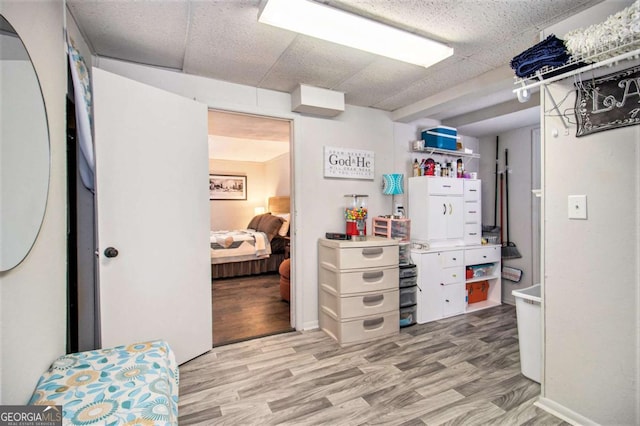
{"x": 550, "y": 52}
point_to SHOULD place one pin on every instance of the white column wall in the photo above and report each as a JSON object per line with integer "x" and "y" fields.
{"x": 33, "y": 294}
{"x": 591, "y": 283}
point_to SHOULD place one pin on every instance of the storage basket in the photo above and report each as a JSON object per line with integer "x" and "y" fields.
{"x": 478, "y": 291}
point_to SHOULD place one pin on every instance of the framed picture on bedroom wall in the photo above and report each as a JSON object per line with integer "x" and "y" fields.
{"x": 227, "y": 187}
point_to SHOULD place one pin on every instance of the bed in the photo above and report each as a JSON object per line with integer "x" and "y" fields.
{"x": 258, "y": 249}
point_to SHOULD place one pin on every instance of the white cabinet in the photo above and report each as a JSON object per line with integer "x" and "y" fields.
{"x": 441, "y": 284}
{"x": 358, "y": 288}
{"x": 472, "y": 212}
{"x": 442, "y": 280}
{"x": 488, "y": 260}
{"x": 436, "y": 210}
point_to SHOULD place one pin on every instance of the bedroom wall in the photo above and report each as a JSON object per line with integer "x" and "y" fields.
{"x": 33, "y": 294}
{"x": 319, "y": 202}
{"x": 236, "y": 214}
{"x": 278, "y": 175}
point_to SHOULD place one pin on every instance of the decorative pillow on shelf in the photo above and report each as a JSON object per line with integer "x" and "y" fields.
{"x": 284, "y": 229}
{"x": 270, "y": 225}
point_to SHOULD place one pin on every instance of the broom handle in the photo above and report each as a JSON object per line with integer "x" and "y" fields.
{"x": 495, "y": 201}
{"x": 501, "y": 207}
{"x": 506, "y": 184}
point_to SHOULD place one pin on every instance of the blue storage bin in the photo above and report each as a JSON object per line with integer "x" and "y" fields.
{"x": 444, "y": 130}
{"x": 439, "y": 140}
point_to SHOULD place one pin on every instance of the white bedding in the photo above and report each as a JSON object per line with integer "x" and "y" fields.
{"x": 238, "y": 246}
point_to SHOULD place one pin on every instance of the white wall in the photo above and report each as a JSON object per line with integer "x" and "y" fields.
{"x": 318, "y": 202}
{"x": 521, "y": 200}
{"x": 404, "y": 134}
{"x": 33, "y": 295}
{"x": 591, "y": 283}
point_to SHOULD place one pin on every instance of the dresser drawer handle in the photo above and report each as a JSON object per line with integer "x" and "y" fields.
{"x": 372, "y": 324}
{"x": 372, "y": 251}
{"x": 373, "y": 300}
{"x": 372, "y": 276}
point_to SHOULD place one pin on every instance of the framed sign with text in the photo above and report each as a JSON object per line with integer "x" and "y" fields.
{"x": 348, "y": 163}
{"x": 608, "y": 102}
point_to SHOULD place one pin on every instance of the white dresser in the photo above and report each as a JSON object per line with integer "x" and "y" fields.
{"x": 358, "y": 288}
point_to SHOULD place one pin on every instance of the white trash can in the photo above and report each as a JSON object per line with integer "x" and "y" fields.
{"x": 529, "y": 317}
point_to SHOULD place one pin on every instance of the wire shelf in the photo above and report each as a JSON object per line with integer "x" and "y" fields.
{"x": 600, "y": 56}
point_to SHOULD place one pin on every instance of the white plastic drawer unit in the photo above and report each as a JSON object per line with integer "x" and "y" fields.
{"x": 408, "y": 296}
{"x": 471, "y": 190}
{"x": 359, "y": 305}
{"x": 359, "y": 256}
{"x": 360, "y": 329}
{"x": 445, "y": 186}
{"x": 357, "y": 280}
{"x": 482, "y": 255}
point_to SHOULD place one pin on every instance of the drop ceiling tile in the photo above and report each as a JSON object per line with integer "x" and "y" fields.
{"x": 227, "y": 42}
{"x": 129, "y": 30}
{"x": 501, "y": 53}
{"x": 316, "y": 63}
{"x": 380, "y": 80}
{"x": 454, "y": 73}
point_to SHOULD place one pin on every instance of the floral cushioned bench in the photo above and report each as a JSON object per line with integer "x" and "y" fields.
{"x": 134, "y": 384}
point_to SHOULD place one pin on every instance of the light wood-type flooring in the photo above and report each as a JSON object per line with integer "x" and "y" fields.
{"x": 248, "y": 307}
{"x": 463, "y": 370}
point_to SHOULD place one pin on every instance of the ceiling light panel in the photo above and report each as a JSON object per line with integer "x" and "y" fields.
{"x": 334, "y": 25}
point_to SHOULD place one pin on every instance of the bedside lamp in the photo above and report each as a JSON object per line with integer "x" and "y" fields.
{"x": 392, "y": 184}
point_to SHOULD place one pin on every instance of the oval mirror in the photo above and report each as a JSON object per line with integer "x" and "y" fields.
{"x": 24, "y": 150}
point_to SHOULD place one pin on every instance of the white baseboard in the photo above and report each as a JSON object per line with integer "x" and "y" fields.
{"x": 563, "y": 412}
{"x": 310, "y": 325}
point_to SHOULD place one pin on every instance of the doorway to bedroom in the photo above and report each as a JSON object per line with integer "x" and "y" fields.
{"x": 250, "y": 181}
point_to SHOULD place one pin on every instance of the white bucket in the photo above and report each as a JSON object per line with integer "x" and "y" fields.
{"x": 529, "y": 317}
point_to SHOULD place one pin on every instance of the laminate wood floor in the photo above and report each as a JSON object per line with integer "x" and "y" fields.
{"x": 248, "y": 307}
{"x": 463, "y": 370}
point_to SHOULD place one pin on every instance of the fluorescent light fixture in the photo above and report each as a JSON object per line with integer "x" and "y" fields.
{"x": 334, "y": 25}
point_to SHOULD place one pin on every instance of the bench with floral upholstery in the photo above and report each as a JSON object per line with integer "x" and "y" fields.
{"x": 134, "y": 384}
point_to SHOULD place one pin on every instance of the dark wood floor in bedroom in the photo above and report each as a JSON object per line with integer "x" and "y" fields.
{"x": 248, "y": 307}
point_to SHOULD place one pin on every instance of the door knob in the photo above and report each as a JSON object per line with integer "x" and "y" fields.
{"x": 110, "y": 252}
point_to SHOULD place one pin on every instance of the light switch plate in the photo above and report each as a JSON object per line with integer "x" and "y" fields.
{"x": 577, "y": 207}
